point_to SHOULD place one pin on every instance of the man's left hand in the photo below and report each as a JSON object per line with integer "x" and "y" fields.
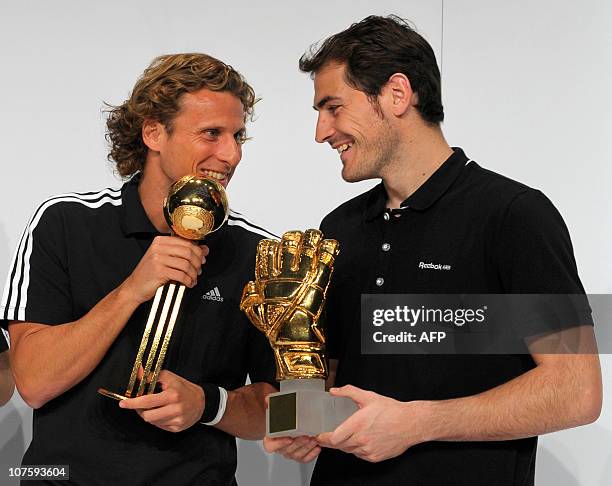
{"x": 382, "y": 428}
{"x": 177, "y": 407}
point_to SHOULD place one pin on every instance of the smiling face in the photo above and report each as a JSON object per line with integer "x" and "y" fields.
{"x": 205, "y": 139}
{"x": 347, "y": 120}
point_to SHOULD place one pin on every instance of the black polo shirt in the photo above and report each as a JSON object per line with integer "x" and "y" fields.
{"x": 3, "y": 343}
{"x": 483, "y": 233}
{"x": 76, "y": 249}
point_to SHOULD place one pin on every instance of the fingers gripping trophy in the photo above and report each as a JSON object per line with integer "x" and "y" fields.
{"x": 194, "y": 208}
{"x": 285, "y": 302}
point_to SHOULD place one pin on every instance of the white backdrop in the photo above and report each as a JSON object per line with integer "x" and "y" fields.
{"x": 525, "y": 89}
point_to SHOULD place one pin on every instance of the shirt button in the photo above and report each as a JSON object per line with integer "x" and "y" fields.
{"x": 386, "y": 216}
{"x": 386, "y": 247}
{"x": 380, "y": 281}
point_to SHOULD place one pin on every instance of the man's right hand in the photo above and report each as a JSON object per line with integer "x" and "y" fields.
{"x": 169, "y": 258}
{"x": 301, "y": 449}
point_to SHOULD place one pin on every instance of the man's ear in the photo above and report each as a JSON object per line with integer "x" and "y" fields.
{"x": 152, "y": 134}
{"x": 399, "y": 95}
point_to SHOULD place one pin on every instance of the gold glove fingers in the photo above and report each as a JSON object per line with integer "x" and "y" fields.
{"x": 251, "y": 304}
{"x": 265, "y": 263}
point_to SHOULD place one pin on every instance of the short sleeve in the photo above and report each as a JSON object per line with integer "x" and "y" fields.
{"x": 261, "y": 364}
{"x": 535, "y": 256}
{"x": 3, "y": 342}
{"x": 37, "y": 287}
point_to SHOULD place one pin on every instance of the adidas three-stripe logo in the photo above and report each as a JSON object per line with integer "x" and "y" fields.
{"x": 213, "y": 295}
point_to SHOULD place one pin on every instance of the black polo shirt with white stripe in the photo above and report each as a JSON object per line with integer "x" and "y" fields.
{"x": 76, "y": 249}
{"x": 465, "y": 230}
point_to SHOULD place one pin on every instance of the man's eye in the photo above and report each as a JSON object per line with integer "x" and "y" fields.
{"x": 241, "y": 138}
{"x": 333, "y": 108}
{"x": 212, "y": 132}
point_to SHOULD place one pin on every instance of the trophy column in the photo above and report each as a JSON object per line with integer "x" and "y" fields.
{"x": 152, "y": 351}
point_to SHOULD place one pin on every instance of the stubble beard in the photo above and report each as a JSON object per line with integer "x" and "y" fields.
{"x": 376, "y": 156}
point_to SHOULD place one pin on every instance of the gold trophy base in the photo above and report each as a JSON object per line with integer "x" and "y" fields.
{"x": 127, "y": 394}
{"x": 303, "y": 407}
{"x": 110, "y": 394}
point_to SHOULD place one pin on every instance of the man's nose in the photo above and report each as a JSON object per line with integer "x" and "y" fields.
{"x": 324, "y": 129}
{"x": 230, "y": 151}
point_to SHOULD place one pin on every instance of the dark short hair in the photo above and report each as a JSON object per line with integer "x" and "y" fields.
{"x": 376, "y": 48}
{"x": 157, "y": 95}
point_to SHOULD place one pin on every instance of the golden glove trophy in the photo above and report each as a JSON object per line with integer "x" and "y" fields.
{"x": 194, "y": 208}
{"x": 285, "y": 302}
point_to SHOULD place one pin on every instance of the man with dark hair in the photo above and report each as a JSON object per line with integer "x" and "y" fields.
{"x": 6, "y": 378}
{"x": 437, "y": 223}
{"x": 78, "y": 294}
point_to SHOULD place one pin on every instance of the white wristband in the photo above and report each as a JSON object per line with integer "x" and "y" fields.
{"x": 222, "y": 405}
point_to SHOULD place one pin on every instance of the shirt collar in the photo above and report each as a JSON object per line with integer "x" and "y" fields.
{"x": 427, "y": 194}
{"x": 376, "y": 202}
{"x": 134, "y": 219}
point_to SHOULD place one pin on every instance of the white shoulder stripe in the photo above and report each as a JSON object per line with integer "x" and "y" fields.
{"x": 12, "y": 271}
{"x": 86, "y": 196}
{"x": 237, "y": 219}
{"x": 15, "y": 294}
{"x": 251, "y": 228}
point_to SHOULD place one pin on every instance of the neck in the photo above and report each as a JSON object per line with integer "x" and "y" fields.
{"x": 153, "y": 189}
{"x": 422, "y": 152}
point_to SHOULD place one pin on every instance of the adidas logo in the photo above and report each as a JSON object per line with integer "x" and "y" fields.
{"x": 213, "y": 295}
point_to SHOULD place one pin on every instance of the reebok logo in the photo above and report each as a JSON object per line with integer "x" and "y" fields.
{"x": 213, "y": 295}
{"x": 434, "y": 266}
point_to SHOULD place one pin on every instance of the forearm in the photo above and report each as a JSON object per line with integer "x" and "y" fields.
{"x": 48, "y": 360}
{"x": 6, "y": 379}
{"x": 565, "y": 393}
{"x": 245, "y": 413}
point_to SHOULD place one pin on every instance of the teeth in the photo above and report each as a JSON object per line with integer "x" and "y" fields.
{"x": 214, "y": 175}
{"x": 344, "y": 147}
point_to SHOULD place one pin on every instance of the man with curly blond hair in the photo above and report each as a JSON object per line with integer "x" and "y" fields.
{"x": 78, "y": 295}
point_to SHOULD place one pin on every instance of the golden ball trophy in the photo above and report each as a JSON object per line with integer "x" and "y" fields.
{"x": 194, "y": 208}
{"x": 285, "y": 302}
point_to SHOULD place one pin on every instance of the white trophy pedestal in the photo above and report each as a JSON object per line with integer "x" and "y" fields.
{"x": 303, "y": 407}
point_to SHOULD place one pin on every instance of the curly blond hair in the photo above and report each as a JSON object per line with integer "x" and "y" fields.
{"x": 156, "y": 96}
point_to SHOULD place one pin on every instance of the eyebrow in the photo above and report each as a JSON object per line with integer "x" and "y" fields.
{"x": 221, "y": 128}
{"x": 324, "y": 101}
